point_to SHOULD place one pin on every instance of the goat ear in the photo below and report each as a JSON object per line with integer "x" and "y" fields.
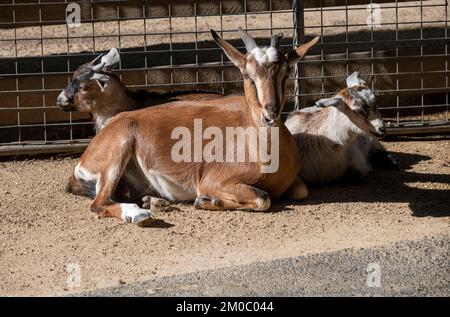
{"x": 233, "y": 54}
{"x": 354, "y": 80}
{"x": 328, "y": 102}
{"x": 335, "y": 102}
{"x": 111, "y": 60}
{"x": 297, "y": 54}
{"x": 98, "y": 74}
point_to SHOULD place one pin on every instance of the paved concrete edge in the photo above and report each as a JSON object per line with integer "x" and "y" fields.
{"x": 407, "y": 268}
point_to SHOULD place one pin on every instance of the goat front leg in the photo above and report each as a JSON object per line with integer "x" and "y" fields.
{"x": 232, "y": 197}
{"x": 379, "y": 157}
{"x": 105, "y": 207}
{"x": 357, "y": 161}
{"x": 385, "y": 160}
{"x": 107, "y": 157}
{"x": 131, "y": 213}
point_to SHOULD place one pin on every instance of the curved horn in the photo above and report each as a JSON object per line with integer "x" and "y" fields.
{"x": 276, "y": 39}
{"x": 95, "y": 60}
{"x": 249, "y": 42}
{"x": 97, "y": 67}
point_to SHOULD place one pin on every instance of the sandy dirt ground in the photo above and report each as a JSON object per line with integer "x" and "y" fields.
{"x": 43, "y": 230}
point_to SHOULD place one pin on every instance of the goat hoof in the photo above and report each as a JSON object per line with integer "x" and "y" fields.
{"x": 208, "y": 203}
{"x": 201, "y": 201}
{"x": 155, "y": 204}
{"x": 144, "y": 219}
{"x": 215, "y": 201}
{"x": 395, "y": 165}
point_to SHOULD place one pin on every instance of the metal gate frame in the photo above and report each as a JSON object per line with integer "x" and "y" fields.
{"x": 301, "y": 75}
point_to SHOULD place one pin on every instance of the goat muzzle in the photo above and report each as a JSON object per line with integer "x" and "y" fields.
{"x": 64, "y": 103}
{"x": 268, "y": 120}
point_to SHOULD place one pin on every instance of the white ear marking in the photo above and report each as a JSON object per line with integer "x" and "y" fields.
{"x": 100, "y": 85}
{"x": 354, "y": 80}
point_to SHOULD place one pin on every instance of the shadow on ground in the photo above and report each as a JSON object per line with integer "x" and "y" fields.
{"x": 391, "y": 187}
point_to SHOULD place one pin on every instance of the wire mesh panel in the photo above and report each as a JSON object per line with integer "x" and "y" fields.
{"x": 400, "y": 48}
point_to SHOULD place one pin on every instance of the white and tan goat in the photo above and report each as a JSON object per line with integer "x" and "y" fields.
{"x": 339, "y": 135}
{"x": 146, "y": 138}
{"x": 94, "y": 88}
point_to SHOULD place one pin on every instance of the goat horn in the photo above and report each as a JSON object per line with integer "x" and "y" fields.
{"x": 96, "y": 59}
{"x": 276, "y": 39}
{"x": 249, "y": 42}
{"x": 97, "y": 67}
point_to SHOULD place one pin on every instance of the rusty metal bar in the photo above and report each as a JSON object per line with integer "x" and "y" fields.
{"x": 30, "y": 149}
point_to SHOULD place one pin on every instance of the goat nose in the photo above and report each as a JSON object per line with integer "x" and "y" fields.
{"x": 62, "y": 98}
{"x": 63, "y": 102}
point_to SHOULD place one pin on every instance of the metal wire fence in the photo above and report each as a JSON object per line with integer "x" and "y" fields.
{"x": 399, "y": 47}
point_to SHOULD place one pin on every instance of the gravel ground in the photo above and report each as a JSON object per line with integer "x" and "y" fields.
{"x": 43, "y": 230}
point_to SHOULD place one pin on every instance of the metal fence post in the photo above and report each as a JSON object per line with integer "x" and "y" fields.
{"x": 298, "y": 38}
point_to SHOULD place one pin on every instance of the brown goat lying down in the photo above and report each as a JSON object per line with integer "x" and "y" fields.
{"x": 145, "y": 139}
{"x": 97, "y": 90}
{"x": 339, "y": 135}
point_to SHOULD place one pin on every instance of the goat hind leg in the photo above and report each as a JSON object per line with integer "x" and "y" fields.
{"x": 232, "y": 197}
{"x": 156, "y": 204}
{"x": 379, "y": 157}
{"x": 297, "y": 191}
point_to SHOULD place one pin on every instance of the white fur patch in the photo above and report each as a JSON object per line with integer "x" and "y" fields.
{"x": 337, "y": 127}
{"x": 132, "y": 213}
{"x": 166, "y": 188}
{"x": 262, "y": 204}
{"x": 327, "y": 102}
{"x": 368, "y": 96}
{"x": 113, "y": 172}
{"x": 311, "y": 109}
{"x": 101, "y": 122}
{"x": 102, "y": 89}
{"x": 85, "y": 175}
{"x": 265, "y": 55}
{"x": 62, "y": 98}
{"x": 377, "y": 123}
